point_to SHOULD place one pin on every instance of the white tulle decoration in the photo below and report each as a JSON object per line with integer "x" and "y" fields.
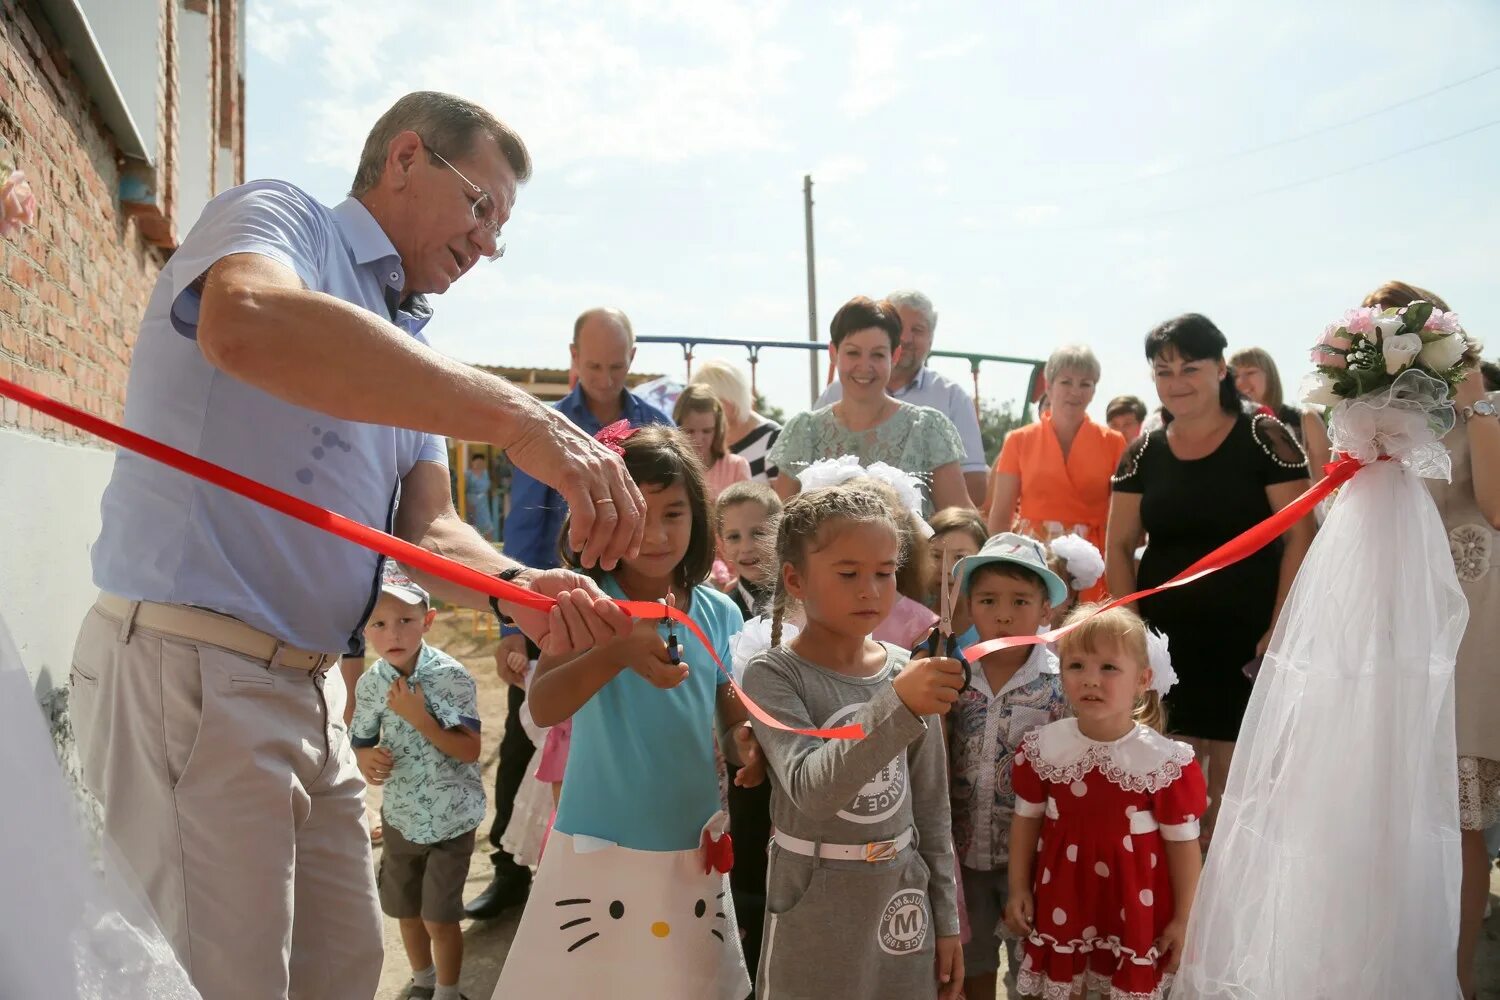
{"x": 753, "y": 638}
{"x": 1085, "y": 563}
{"x": 1404, "y": 422}
{"x": 1159, "y": 656}
{"x": 837, "y": 471}
{"x": 74, "y": 923}
{"x": 1335, "y": 867}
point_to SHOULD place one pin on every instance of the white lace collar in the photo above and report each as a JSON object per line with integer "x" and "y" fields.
{"x": 1142, "y": 760}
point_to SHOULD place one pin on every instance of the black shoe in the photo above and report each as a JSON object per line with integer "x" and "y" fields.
{"x": 504, "y": 891}
{"x": 415, "y": 992}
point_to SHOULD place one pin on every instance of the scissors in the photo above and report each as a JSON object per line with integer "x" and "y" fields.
{"x": 674, "y": 650}
{"x": 942, "y": 641}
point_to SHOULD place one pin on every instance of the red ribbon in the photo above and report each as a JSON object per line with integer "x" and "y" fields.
{"x": 1241, "y": 546}
{"x": 378, "y": 541}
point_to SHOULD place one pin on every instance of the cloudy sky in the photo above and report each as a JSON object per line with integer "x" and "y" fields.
{"x": 1046, "y": 174}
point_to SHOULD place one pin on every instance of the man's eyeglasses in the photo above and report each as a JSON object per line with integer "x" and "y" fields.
{"x": 486, "y": 215}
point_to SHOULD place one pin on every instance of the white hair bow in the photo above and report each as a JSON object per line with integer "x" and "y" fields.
{"x": 755, "y": 638}
{"x": 837, "y": 471}
{"x": 1085, "y": 564}
{"x": 1160, "y": 660}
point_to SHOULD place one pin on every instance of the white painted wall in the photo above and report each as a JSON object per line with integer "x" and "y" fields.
{"x": 49, "y": 517}
{"x": 195, "y": 126}
{"x": 127, "y": 32}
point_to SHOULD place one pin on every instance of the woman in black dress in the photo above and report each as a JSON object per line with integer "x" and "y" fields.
{"x": 1211, "y": 473}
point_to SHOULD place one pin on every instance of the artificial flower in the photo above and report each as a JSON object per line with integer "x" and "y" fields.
{"x": 1389, "y": 325}
{"x": 17, "y": 203}
{"x": 1442, "y": 322}
{"x": 1399, "y": 349}
{"x": 1333, "y": 359}
{"x": 1361, "y": 321}
{"x": 1317, "y": 389}
{"x": 1444, "y": 353}
{"x": 1337, "y": 337}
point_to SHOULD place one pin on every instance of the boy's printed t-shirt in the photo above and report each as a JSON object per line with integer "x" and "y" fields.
{"x": 986, "y": 729}
{"x": 429, "y": 796}
{"x": 641, "y": 769}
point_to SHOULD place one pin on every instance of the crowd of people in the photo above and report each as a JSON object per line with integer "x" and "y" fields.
{"x": 880, "y": 817}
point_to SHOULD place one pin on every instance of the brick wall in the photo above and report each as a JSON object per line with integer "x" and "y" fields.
{"x": 74, "y": 287}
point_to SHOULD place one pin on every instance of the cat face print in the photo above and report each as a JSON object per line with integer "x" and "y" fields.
{"x": 593, "y": 918}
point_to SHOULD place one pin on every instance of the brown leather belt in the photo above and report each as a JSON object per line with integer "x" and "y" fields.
{"x": 211, "y": 629}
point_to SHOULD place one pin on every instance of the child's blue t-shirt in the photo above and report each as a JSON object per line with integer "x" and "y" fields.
{"x": 641, "y": 769}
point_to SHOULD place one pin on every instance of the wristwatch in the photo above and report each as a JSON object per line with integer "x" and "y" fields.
{"x": 509, "y": 576}
{"x": 1482, "y": 408}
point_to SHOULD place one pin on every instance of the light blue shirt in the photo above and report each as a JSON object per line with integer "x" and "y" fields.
{"x": 429, "y": 797}
{"x": 930, "y": 388}
{"x": 641, "y": 768}
{"x": 169, "y": 537}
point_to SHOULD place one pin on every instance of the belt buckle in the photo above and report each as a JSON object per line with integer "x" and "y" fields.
{"x": 880, "y": 850}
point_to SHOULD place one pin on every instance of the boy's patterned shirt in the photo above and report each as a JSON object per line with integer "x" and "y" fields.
{"x": 985, "y": 731}
{"x": 430, "y": 796}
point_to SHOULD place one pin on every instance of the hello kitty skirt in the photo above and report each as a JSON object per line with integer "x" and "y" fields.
{"x": 608, "y": 921}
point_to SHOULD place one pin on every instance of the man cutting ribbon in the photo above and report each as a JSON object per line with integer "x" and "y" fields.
{"x": 285, "y": 340}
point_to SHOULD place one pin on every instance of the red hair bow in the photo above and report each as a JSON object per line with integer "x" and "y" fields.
{"x": 613, "y": 437}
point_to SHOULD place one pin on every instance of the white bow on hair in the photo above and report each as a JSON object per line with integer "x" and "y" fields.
{"x": 755, "y": 637}
{"x": 1160, "y": 660}
{"x": 837, "y": 471}
{"x": 1085, "y": 564}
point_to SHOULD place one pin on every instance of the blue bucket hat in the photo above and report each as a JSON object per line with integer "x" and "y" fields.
{"x": 1019, "y": 550}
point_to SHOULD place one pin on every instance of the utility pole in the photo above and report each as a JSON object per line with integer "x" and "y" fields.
{"x": 812, "y": 291}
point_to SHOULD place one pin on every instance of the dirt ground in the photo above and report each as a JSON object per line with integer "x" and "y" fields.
{"x": 463, "y": 635}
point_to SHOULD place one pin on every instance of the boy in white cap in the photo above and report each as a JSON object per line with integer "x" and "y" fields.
{"x": 416, "y": 732}
{"x": 1009, "y": 591}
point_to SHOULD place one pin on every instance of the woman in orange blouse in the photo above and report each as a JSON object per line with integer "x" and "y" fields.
{"x": 1059, "y": 467}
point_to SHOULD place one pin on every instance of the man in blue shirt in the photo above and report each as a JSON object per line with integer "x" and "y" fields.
{"x": 913, "y": 382}
{"x": 285, "y": 340}
{"x": 602, "y": 351}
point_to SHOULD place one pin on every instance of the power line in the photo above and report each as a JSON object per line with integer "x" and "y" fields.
{"x": 1302, "y": 182}
{"x": 1289, "y": 140}
{"x": 1277, "y": 143}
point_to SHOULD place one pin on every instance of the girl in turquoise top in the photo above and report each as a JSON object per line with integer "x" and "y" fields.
{"x": 631, "y": 899}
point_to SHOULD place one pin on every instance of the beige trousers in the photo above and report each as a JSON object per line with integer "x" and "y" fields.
{"x": 231, "y": 789}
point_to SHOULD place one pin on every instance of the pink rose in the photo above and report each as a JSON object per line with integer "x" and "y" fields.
{"x": 1336, "y": 336}
{"x": 1321, "y": 355}
{"x": 1443, "y": 322}
{"x": 1361, "y": 321}
{"x": 17, "y": 204}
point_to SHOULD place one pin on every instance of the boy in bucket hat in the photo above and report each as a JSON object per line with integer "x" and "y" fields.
{"x": 1009, "y": 591}
{"x": 416, "y": 732}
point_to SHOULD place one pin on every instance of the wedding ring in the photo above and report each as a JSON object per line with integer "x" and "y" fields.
{"x": 605, "y": 500}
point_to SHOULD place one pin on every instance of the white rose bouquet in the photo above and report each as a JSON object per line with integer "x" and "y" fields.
{"x": 1372, "y": 347}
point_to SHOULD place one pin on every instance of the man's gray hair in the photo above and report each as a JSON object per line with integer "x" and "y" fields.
{"x": 917, "y": 302}
{"x": 1072, "y": 358}
{"x": 448, "y": 126}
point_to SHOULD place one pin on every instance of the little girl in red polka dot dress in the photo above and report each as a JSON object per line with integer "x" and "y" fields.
{"x": 1104, "y": 854}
